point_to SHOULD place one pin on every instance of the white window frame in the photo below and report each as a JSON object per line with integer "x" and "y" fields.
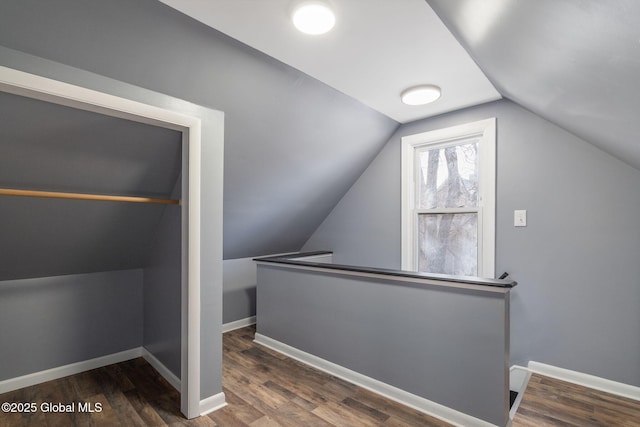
{"x": 485, "y": 130}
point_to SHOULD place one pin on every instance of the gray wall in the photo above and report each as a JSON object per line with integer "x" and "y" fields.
{"x": 576, "y": 305}
{"x": 239, "y": 294}
{"x": 50, "y": 237}
{"x": 163, "y": 290}
{"x": 54, "y": 321}
{"x": 279, "y": 122}
{"x": 47, "y": 146}
{"x": 211, "y": 195}
{"x": 447, "y": 345}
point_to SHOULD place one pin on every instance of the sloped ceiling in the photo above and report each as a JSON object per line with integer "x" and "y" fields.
{"x": 574, "y": 62}
{"x": 377, "y": 49}
{"x": 49, "y": 147}
{"x": 293, "y": 145}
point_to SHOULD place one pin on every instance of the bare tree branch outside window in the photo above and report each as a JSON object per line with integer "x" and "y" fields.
{"x": 448, "y": 242}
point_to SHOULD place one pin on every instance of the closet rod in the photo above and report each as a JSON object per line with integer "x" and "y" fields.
{"x": 81, "y": 196}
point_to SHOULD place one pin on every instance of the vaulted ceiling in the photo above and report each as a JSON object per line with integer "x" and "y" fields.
{"x": 574, "y": 62}
{"x": 304, "y": 117}
{"x": 293, "y": 145}
{"x": 377, "y": 49}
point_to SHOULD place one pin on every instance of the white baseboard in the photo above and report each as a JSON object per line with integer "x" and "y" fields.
{"x": 408, "y": 399}
{"x": 232, "y": 326}
{"x": 586, "y": 380}
{"x": 207, "y": 405}
{"x": 66, "y": 370}
{"x": 518, "y": 380}
{"x": 212, "y": 403}
{"x": 162, "y": 370}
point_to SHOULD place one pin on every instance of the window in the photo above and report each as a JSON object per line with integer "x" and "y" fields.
{"x": 448, "y": 200}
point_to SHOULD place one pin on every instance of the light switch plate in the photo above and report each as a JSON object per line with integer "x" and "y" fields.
{"x": 520, "y": 218}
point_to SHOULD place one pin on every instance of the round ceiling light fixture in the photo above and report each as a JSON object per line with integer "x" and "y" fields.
{"x": 420, "y": 95}
{"x": 313, "y": 17}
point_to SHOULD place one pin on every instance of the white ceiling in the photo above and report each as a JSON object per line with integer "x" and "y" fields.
{"x": 377, "y": 49}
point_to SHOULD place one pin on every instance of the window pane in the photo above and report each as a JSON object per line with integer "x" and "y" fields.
{"x": 448, "y": 243}
{"x": 448, "y": 177}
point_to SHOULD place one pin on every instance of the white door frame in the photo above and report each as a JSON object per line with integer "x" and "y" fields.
{"x": 33, "y": 86}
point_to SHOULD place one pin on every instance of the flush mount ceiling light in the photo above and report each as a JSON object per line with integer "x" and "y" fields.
{"x": 420, "y": 95}
{"x": 313, "y": 17}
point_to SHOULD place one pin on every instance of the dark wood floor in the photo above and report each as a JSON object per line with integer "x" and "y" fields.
{"x": 262, "y": 389}
{"x": 265, "y": 389}
{"x": 551, "y": 402}
{"x": 130, "y": 393}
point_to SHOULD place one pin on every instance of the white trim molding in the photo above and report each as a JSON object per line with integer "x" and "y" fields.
{"x": 212, "y": 403}
{"x": 161, "y": 368}
{"x": 206, "y": 406}
{"x": 485, "y": 130}
{"x": 408, "y": 399}
{"x": 38, "y": 87}
{"x": 586, "y": 380}
{"x": 238, "y": 324}
{"x": 66, "y": 370}
{"x": 518, "y": 379}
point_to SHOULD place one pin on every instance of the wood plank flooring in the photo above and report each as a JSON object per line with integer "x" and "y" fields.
{"x": 262, "y": 389}
{"x": 551, "y": 402}
{"x": 266, "y": 389}
{"x": 130, "y": 393}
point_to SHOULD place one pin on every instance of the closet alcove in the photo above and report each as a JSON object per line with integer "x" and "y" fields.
{"x": 84, "y": 279}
